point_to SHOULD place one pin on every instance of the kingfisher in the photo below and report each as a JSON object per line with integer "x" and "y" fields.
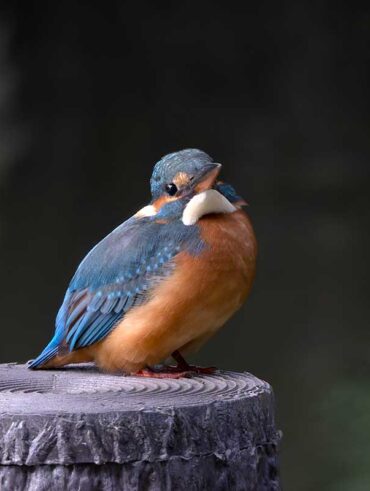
{"x": 164, "y": 281}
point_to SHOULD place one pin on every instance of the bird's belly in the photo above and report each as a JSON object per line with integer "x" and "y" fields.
{"x": 190, "y": 305}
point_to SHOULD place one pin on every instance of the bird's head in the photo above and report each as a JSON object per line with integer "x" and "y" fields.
{"x": 182, "y": 173}
{"x": 187, "y": 180}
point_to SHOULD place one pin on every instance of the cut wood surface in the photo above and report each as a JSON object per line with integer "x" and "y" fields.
{"x": 78, "y": 429}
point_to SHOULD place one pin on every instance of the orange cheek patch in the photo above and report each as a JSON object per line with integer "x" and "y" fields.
{"x": 161, "y": 201}
{"x": 181, "y": 179}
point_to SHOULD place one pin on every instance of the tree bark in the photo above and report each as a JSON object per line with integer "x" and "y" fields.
{"x": 78, "y": 429}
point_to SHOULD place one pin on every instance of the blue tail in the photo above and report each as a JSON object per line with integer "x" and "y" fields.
{"x": 49, "y": 352}
{"x": 52, "y": 348}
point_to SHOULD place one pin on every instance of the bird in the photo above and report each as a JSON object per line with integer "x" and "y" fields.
{"x": 163, "y": 282}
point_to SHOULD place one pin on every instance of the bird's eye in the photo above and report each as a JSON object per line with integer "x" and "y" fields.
{"x": 171, "y": 189}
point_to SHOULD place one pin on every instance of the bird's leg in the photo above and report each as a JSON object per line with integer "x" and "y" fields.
{"x": 164, "y": 371}
{"x": 181, "y": 362}
{"x": 181, "y": 370}
{"x": 183, "y": 365}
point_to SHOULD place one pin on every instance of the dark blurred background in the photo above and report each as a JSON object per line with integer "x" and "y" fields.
{"x": 91, "y": 97}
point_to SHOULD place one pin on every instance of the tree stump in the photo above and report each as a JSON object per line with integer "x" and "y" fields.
{"x": 79, "y": 429}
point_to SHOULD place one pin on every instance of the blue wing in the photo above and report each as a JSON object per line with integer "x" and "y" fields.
{"x": 116, "y": 275}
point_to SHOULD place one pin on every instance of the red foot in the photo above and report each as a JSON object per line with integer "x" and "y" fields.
{"x": 182, "y": 364}
{"x": 152, "y": 374}
{"x": 202, "y": 370}
{"x": 175, "y": 372}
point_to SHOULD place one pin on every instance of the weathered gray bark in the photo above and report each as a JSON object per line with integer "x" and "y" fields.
{"x": 78, "y": 429}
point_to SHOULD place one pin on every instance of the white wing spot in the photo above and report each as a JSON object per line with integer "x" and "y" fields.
{"x": 147, "y": 211}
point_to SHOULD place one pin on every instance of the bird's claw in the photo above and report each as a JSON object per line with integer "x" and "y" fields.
{"x": 174, "y": 372}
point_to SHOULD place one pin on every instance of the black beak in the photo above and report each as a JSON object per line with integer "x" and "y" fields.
{"x": 206, "y": 178}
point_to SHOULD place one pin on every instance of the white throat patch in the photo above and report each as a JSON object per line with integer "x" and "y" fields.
{"x": 210, "y": 201}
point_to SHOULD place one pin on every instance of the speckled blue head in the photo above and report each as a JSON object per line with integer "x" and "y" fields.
{"x": 190, "y": 161}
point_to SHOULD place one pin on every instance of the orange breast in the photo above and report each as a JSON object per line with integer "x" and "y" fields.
{"x": 193, "y": 303}
{"x": 231, "y": 258}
